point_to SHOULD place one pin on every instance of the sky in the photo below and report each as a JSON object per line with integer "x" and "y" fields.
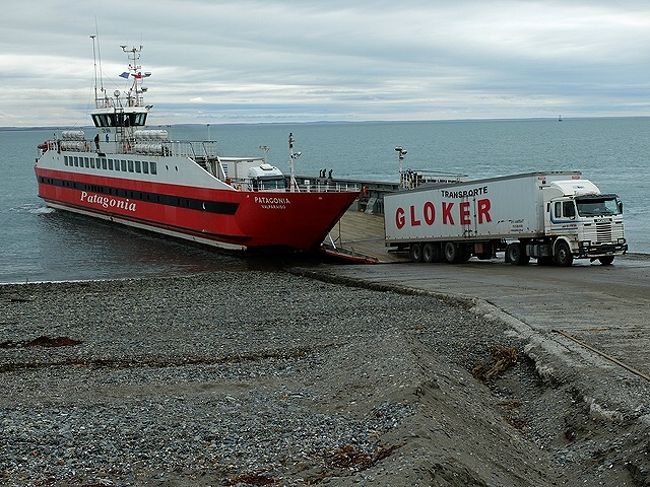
{"x": 271, "y": 61}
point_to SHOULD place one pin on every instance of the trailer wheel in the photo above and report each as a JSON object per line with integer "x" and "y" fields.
{"x": 431, "y": 253}
{"x": 515, "y": 254}
{"x": 563, "y": 256}
{"x": 415, "y": 252}
{"x": 451, "y": 251}
{"x": 606, "y": 260}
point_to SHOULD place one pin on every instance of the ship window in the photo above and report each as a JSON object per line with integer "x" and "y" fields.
{"x": 137, "y": 166}
{"x": 154, "y": 169}
{"x": 65, "y": 160}
{"x": 123, "y": 164}
{"x": 92, "y": 162}
{"x": 110, "y": 164}
{"x": 97, "y": 121}
{"x": 76, "y": 161}
{"x": 86, "y": 162}
{"x": 130, "y": 166}
{"x": 104, "y": 164}
{"x": 145, "y": 167}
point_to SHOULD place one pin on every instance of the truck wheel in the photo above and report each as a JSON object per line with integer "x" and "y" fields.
{"x": 415, "y": 252}
{"x": 563, "y": 256}
{"x": 431, "y": 253}
{"x": 606, "y": 260}
{"x": 451, "y": 252}
{"x": 515, "y": 254}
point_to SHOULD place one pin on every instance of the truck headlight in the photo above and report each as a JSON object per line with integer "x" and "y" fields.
{"x": 621, "y": 241}
{"x": 586, "y": 243}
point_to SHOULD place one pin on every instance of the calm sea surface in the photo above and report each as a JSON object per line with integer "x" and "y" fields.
{"x": 39, "y": 244}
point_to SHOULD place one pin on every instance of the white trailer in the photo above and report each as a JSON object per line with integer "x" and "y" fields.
{"x": 554, "y": 217}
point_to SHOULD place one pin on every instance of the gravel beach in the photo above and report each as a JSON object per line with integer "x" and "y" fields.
{"x": 269, "y": 378}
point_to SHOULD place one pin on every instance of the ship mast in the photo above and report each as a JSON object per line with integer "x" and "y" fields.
{"x": 93, "y": 37}
{"x": 293, "y": 184}
{"x": 134, "y": 95}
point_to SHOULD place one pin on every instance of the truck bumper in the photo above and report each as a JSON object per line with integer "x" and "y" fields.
{"x": 600, "y": 250}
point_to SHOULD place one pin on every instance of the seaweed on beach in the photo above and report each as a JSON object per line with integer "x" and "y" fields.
{"x": 502, "y": 359}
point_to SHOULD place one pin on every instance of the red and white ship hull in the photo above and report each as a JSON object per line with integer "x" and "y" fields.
{"x": 231, "y": 219}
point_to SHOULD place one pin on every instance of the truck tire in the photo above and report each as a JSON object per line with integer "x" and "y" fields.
{"x": 451, "y": 252}
{"x": 563, "y": 256}
{"x": 431, "y": 253}
{"x": 415, "y": 252}
{"x": 515, "y": 254}
{"x": 606, "y": 260}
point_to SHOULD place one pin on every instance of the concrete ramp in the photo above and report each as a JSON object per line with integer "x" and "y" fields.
{"x": 362, "y": 233}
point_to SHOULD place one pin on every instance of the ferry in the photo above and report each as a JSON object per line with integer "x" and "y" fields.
{"x": 127, "y": 173}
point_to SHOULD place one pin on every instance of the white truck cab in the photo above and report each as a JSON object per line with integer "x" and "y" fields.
{"x": 589, "y": 223}
{"x": 265, "y": 177}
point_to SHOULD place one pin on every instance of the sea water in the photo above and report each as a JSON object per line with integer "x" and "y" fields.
{"x": 39, "y": 243}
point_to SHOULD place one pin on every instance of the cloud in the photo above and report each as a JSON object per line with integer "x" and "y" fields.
{"x": 306, "y": 61}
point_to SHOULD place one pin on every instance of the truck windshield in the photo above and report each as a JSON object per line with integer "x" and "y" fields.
{"x": 595, "y": 206}
{"x": 271, "y": 183}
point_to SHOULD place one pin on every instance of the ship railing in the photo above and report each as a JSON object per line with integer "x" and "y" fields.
{"x": 197, "y": 150}
{"x": 304, "y": 186}
{"x": 327, "y": 187}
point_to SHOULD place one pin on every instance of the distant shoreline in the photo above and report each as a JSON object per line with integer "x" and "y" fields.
{"x": 337, "y": 122}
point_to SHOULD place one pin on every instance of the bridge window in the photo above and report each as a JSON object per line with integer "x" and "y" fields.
{"x": 154, "y": 168}
{"x": 139, "y": 119}
{"x": 145, "y": 167}
{"x": 137, "y": 166}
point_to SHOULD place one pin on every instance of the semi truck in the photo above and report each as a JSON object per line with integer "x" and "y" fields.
{"x": 553, "y": 217}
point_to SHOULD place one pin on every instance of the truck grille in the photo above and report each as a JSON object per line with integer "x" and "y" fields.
{"x": 604, "y": 232}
